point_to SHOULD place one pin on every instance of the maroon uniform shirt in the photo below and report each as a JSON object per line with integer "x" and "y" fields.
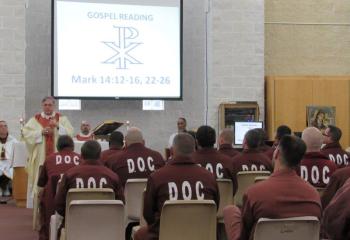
{"x": 220, "y": 165}
{"x": 52, "y": 170}
{"x": 267, "y": 150}
{"x": 316, "y": 168}
{"x": 106, "y": 154}
{"x": 336, "y": 217}
{"x": 291, "y": 197}
{"x": 336, "y": 154}
{"x": 228, "y": 150}
{"x": 87, "y": 175}
{"x": 336, "y": 181}
{"x": 181, "y": 179}
{"x": 136, "y": 161}
{"x": 252, "y": 160}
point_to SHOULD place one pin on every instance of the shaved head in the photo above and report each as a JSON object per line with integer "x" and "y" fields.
{"x": 313, "y": 139}
{"x": 183, "y": 145}
{"x": 226, "y": 136}
{"x": 133, "y": 135}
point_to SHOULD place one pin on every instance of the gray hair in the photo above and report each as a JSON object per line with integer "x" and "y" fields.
{"x": 184, "y": 144}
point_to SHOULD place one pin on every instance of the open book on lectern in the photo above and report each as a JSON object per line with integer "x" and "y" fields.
{"x": 106, "y": 128}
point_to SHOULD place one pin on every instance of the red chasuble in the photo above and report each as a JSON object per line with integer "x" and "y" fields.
{"x": 49, "y": 139}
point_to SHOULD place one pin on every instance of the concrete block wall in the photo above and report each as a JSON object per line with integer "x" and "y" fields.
{"x": 236, "y": 54}
{"x": 307, "y": 37}
{"x": 12, "y": 63}
{"x": 234, "y": 33}
{"x": 157, "y": 125}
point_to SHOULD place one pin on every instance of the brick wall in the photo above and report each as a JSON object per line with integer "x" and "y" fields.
{"x": 157, "y": 125}
{"x": 236, "y": 54}
{"x": 307, "y": 37}
{"x": 12, "y": 63}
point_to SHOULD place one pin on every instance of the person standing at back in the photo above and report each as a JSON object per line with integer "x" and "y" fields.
{"x": 332, "y": 149}
{"x": 181, "y": 179}
{"x": 51, "y": 172}
{"x": 251, "y": 158}
{"x": 315, "y": 167}
{"x": 136, "y": 161}
{"x": 181, "y": 127}
{"x": 226, "y": 142}
{"x": 220, "y": 165}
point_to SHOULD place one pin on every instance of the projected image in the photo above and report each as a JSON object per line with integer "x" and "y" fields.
{"x": 117, "y": 49}
{"x": 241, "y": 128}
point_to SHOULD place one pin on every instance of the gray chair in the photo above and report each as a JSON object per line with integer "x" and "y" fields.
{"x": 300, "y": 228}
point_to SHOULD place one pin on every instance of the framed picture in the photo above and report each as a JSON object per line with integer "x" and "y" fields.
{"x": 320, "y": 116}
{"x": 229, "y": 113}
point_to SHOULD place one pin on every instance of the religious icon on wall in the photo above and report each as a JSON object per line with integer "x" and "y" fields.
{"x": 320, "y": 116}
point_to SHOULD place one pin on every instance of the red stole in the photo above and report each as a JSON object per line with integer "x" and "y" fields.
{"x": 85, "y": 138}
{"x": 49, "y": 139}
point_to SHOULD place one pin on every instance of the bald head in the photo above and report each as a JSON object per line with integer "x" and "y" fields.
{"x": 183, "y": 145}
{"x": 312, "y": 138}
{"x": 226, "y": 136}
{"x": 133, "y": 135}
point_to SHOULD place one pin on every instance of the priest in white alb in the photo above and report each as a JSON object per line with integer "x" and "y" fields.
{"x": 6, "y": 159}
{"x": 40, "y": 134}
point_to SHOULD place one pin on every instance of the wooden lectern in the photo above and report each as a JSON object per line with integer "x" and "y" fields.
{"x": 20, "y": 176}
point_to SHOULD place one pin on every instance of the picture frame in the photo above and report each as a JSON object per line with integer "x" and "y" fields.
{"x": 229, "y": 113}
{"x": 320, "y": 116}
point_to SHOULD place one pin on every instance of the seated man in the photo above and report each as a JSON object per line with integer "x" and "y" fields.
{"x": 251, "y": 158}
{"x": 6, "y": 159}
{"x": 284, "y": 194}
{"x": 136, "y": 161}
{"x": 226, "y": 142}
{"x": 54, "y": 167}
{"x": 85, "y": 133}
{"x": 336, "y": 217}
{"x": 220, "y": 165}
{"x": 315, "y": 167}
{"x": 116, "y": 143}
{"x": 263, "y": 147}
{"x": 90, "y": 174}
{"x": 280, "y": 132}
{"x": 336, "y": 181}
{"x": 168, "y": 184}
{"x": 332, "y": 148}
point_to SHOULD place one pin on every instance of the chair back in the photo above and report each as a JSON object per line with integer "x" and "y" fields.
{"x": 244, "y": 180}
{"x": 95, "y": 219}
{"x": 88, "y": 194}
{"x": 188, "y": 220}
{"x": 134, "y": 189}
{"x": 260, "y": 179}
{"x": 301, "y": 228}
{"x": 226, "y": 196}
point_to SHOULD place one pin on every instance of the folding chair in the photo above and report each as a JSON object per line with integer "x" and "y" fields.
{"x": 95, "y": 219}
{"x": 188, "y": 220}
{"x": 244, "y": 180}
{"x": 301, "y": 228}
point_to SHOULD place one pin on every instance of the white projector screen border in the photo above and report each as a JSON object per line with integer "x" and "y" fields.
{"x": 159, "y": 3}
